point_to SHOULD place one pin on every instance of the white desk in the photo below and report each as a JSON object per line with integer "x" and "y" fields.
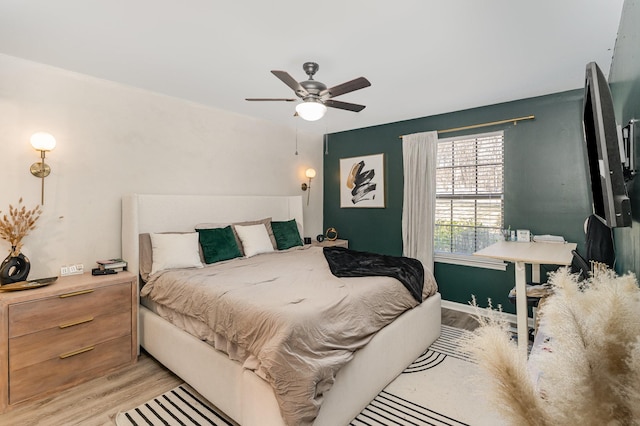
{"x": 535, "y": 254}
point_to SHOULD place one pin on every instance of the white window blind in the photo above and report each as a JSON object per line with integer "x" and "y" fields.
{"x": 469, "y": 193}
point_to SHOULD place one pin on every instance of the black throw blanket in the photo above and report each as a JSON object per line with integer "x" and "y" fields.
{"x": 350, "y": 263}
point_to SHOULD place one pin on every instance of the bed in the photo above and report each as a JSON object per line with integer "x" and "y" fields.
{"x": 242, "y": 393}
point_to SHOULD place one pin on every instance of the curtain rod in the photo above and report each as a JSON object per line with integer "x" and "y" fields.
{"x": 492, "y": 123}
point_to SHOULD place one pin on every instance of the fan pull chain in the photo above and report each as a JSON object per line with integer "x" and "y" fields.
{"x": 296, "y": 137}
{"x": 326, "y": 136}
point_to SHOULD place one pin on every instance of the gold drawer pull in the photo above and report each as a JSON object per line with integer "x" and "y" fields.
{"x": 76, "y": 293}
{"x": 78, "y": 352}
{"x": 71, "y": 324}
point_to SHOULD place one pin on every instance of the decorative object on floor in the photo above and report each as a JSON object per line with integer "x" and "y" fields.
{"x": 362, "y": 181}
{"x": 434, "y": 390}
{"x": 587, "y": 371}
{"x": 42, "y": 142}
{"x": 13, "y": 228}
{"x": 315, "y": 95}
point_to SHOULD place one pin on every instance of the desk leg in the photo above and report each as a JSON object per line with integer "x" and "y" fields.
{"x": 535, "y": 278}
{"x": 521, "y": 309}
{"x": 535, "y": 273}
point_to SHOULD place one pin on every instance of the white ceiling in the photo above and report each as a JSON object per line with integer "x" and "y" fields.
{"x": 423, "y": 57}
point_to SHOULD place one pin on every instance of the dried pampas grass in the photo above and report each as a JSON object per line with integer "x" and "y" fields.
{"x": 512, "y": 392}
{"x": 590, "y": 370}
{"x": 17, "y": 225}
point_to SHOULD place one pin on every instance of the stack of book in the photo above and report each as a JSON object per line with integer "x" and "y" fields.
{"x": 113, "y": 264}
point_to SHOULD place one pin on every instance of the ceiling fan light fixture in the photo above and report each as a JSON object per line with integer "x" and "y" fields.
{"x": 311, "y": 110}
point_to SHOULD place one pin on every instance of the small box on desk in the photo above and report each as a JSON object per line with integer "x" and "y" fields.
{"x": 523, "y": 236}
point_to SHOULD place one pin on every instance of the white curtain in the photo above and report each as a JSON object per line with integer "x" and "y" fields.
{"x": 418, "y": 208}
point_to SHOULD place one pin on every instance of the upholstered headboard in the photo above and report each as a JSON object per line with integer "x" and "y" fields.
{"x": 143, "y": 213}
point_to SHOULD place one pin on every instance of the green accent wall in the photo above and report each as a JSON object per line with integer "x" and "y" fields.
{"x": 624, "y": 80}
{"x": 545, "y": 183}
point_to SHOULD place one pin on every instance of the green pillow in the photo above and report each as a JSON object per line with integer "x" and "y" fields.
{"x": 218, "y": 244}
{"x": 286, "y": 234}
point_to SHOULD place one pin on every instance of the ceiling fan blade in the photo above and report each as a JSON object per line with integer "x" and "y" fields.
{"x": 271, "y": 99}
{"x": 286, "y": 78}
{"x": 341, "y": 89}
{"x": 344, "y": 105}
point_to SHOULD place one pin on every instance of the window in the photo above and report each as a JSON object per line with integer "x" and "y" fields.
{"x": 469, "y": 193}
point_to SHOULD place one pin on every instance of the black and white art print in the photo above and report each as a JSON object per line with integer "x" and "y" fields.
{"x": 362, "y": 181}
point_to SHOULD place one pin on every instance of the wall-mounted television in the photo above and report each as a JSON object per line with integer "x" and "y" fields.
{"x": 609, "y": 193}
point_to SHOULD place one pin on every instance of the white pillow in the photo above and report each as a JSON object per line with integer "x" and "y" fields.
{"x": 172, "y": 251}
{"x": 255, "y": 239}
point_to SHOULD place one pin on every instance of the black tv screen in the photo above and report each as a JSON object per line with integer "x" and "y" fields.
{"x": 609, "y": 193}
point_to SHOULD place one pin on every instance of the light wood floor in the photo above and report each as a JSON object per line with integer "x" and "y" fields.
{"x": 96, "y": 403}
{"x": 458, "y": 319}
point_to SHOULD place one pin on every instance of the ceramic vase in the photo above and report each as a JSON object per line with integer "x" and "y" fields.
{"x": 14, "y": 268}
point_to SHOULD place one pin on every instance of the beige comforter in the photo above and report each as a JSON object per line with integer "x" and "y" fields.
{"x": 295, "y": 322}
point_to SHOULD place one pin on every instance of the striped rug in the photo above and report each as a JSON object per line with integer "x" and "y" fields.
{"x": 179, "y": 406}
{"x": 439, "y": 388}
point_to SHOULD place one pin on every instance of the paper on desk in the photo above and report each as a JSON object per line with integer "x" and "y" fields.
{"x": 548, "y": 238}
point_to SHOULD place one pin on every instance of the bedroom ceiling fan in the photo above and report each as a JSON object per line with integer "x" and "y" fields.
{"x": 316, "y": 97}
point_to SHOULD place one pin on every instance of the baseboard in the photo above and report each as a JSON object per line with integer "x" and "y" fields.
{"x": 460, "y": 307}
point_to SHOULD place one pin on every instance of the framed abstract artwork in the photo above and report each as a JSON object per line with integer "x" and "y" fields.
{"x": 362, "y": 181}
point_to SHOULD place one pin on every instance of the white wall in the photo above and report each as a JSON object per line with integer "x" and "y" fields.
{"x": 112, "y": 140}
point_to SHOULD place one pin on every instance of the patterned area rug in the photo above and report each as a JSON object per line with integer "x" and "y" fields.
{"x": 179, "y": 406}
{"x": 441, "y": 387}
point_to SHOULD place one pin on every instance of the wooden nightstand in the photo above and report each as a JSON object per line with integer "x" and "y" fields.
{"x": 334, "y": 243}
{"x": 54, "y": 337}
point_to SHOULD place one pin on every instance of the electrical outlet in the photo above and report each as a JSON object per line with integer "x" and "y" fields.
{"x": 75, "y": 269}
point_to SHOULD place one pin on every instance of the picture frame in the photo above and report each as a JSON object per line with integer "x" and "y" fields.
{"x": 362, "y": 183}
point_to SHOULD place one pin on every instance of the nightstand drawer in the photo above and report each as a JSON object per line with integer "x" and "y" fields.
{"x": 68, "y": 368}
{"x": 38, "y": 347}
{"x": 42, "y": 314}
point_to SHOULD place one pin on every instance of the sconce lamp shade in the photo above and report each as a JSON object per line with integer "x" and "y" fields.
{"x": 42, "y": 141}
{"x": 310, "y": 173}
{"x": 311, "y": 110}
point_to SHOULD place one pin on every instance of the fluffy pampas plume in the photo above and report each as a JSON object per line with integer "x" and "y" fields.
{"x": 589, "y": 367}
{"x": 18, "y": 224}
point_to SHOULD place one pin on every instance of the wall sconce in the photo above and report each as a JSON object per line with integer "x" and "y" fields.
{"x": 42, "y": 142}
{"x": 310, "y": 173}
